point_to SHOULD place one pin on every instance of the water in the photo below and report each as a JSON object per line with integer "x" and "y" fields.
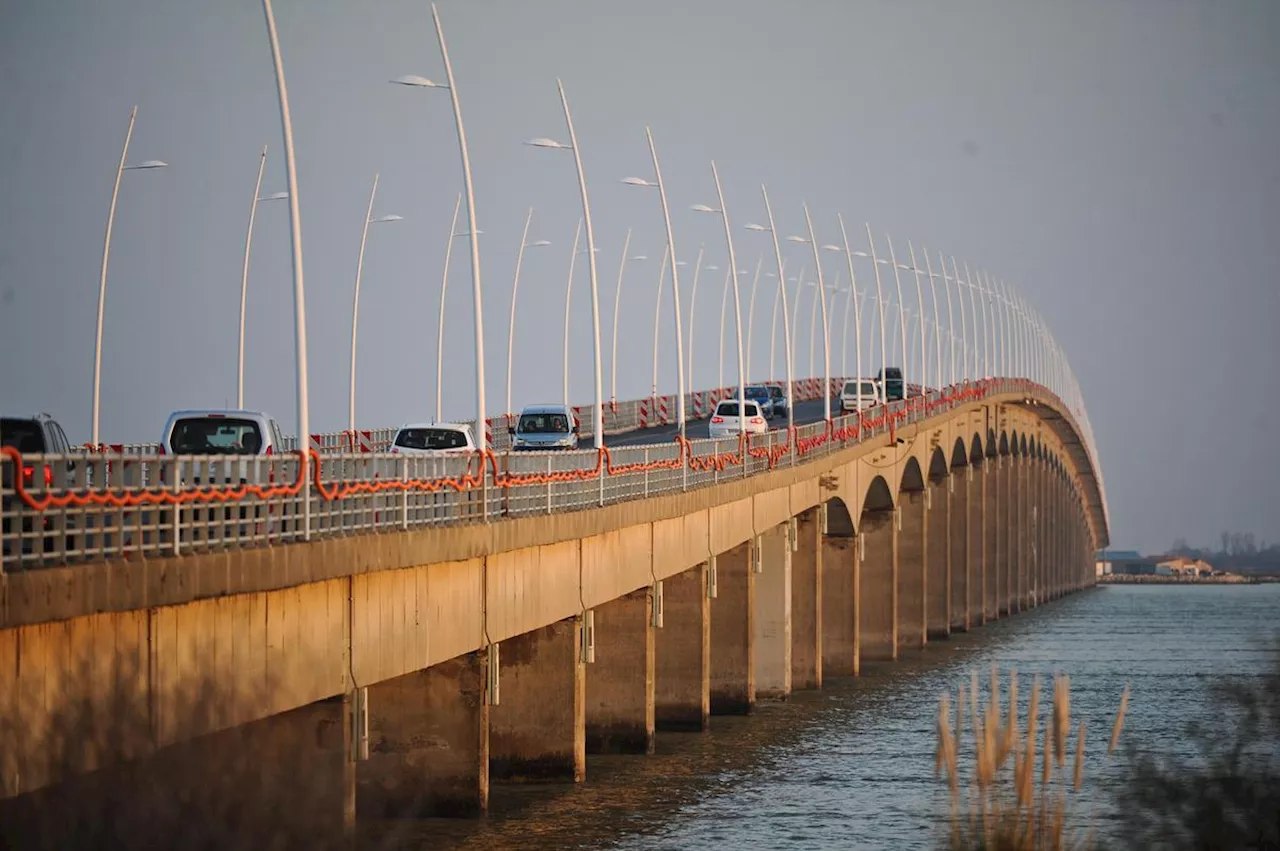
{"x": 851, "y": 766}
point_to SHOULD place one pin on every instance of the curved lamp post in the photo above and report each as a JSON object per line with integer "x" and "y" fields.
{"x": 737, "y": 296}
{"x": 693, "y": 305}
{"x": 772, "y": 230}
{"x": 515, "y": 288}
{"x": 617, "y": 301}
{"x": 299, "y": 288}
{"x": 902, "y": 311}
{"x": 244, "y": 272}
{"x": 444, "y": 289}
{"x": 106, "y": 253}
{"x": 822, "y": 298}
{"x": 657, "y": 317}
{"x": 675, "y": 275}
{"x": 751, "y": 311}
{"x": 724, "y": 301}
{"x": 477, "y": 290}
{"x": 854, "y": 297}
{"x": 598, "y": 425}
{"x": 355, "y": 303}
{"x": 568, "y": 301}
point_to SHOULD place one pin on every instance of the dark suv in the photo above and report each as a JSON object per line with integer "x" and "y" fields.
{"x": 35, "y": 435}
{"x": 890, "y": 381}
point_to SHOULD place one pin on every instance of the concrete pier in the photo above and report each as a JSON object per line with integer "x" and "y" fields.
{"x": 938, "y": 550}
{"x": 620, "y": 683}
{"x": 538, "y": 730}
{"x": 682, "y": 685}
{"x": 772, "y": 622}
{"x": 840, "y": 570}
{"x": 733, "y": 675}
{"x": 912, "y": 569}
{"x": 878, "y": 594}
{"x": 428, "y": 743}
{"x": 806, "y": 603}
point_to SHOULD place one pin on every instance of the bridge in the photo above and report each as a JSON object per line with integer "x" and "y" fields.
{"x": 438, "y": 624}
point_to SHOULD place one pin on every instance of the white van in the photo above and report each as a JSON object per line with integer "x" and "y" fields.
{"x": 221, "y": 432}
{"x": 860, "y": 394}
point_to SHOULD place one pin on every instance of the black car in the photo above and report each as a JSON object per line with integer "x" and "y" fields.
{"x": 890, "y": 380}
{"x": 35, "y": 435}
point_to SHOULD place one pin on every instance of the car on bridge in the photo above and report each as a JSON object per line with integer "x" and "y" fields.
{"x": 545, "y": 427}
{"x": 724, "y": 422}
{"x": 221, "y": 432}
{"x": 892, "y": 387}
{"x": 859, "y": 394}
{"x": 434, "y": 439}
{"x": 39, "y": 434}
{"x": 760, "y": 394}
{"x": 779, "y": 396}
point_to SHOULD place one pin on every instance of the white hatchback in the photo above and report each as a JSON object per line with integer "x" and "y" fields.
{"x": 434, "y": 439}
{"x": 725, "y": 421}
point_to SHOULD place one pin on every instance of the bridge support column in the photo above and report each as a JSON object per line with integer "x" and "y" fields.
{"x": 620, "y": 685}
{"x": 733, "y": 662}
{"x": 991, "y": 539}
{"x": 428, "y": 743}
{"x": 938, "y": 560}
{"x": 1004, "y": 531}
{"x": 772, "y": 624}
{"x": 913, "y": 568}
{"x": 538, "y": 731}
{"x": 961, "y": 479}
{"x": 1026, "y": 497}
{"x": 806, "y": 604}
{"x": 682, "y": 686}
{"x": 878, "y": 595}
{"x": 840, "y": 573}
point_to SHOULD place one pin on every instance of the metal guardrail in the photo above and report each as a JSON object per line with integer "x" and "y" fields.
{"x": 63, "y": 509}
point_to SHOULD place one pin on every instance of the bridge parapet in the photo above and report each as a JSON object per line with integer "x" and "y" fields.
{"x": 110, "y": 506}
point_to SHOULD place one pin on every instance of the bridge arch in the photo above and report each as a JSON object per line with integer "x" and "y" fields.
{"x": 839, "y": 521}
{"x": 959, "y": 457}
{"x": 976, "y": 453}
{"x": 912, "y": 478}
{"x": 1003, "y": 444}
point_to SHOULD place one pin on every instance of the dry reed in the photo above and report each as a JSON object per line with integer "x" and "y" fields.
{"x": 998, "y": 804}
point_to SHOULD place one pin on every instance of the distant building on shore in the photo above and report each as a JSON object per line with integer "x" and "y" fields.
{"x": 1184, "y": 568}
{"x": 1108, "y": 562}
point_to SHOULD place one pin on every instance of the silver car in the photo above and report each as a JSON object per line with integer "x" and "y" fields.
{"x": 545, "y": 427}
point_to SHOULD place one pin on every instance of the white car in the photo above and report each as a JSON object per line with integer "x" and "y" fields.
{"x": 434, "y": 439}
{"x": 220, "y": 432}
{"x": 725, "y": 421}
{"x": 859, "y": 395}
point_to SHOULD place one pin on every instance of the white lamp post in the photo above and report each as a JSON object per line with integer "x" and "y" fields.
{"x": 355, "y": 303}
{"x": 751, "y": 311}
{"x": 106, "y": 253}
{"x": 737, "y": 296}
{"x": 693, "y": 305}
{"x": 675, "y": 275}
{"x": 772, "y": 230}
{"x": 477, "y": 291}
{"x": 244, "y": 273}
{"x": 617, "y": 301}
{"x": 444, "y": 289}
{"x": 855, "y": 298}
{"x": 657, "y": 317}
{"x": 568, "y": 301}
{"x": 812, "y": 242}
{"x": 299, "y": 288}
{"x": 924, "y": 358}
{"x": 724, "y": 301}
{"x": 598, "y": 425}
{"x": 902, "y": 312}
{"x": 884, "y": 355}
{"x": 515, "y": 288}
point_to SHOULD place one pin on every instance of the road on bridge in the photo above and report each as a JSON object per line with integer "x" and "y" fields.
{"x": 806, "y": 412}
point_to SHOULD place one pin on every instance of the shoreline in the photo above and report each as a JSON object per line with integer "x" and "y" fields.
{"x": 1148, "y": 579}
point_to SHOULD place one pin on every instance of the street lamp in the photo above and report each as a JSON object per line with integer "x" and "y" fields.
{"x": 106, "y": 252}
{"x": 598, "y": 425}
{"x": 951, "y": 320}
{"x": 568, "y": 301}
{"x": 244, "y": 274}
{"x": 473, "y": 230}
{"x": 822, "y": 297}
{"x": 657, "y": 316}
{"x": 444, "y": 289}
{"x": 751, "y": 311}
{"x": 737, "y": 296}
{"x": 902, "y": 314}
{"x": 724, "y": 301}
{"x": 617, "y": 301}
{"x": 857, "y": 302}
{"x": 675, "y": 276}
{"x": 355, "y": 304}
{"x": 693, "y": 306}
{"x": 515, "y": 288}
{"x": 771, "y": 229}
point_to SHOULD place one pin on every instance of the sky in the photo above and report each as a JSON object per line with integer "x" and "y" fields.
{"x": 1113, "y": 161}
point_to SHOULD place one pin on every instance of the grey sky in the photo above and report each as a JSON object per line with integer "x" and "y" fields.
{"x": 1114, "y": 161}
